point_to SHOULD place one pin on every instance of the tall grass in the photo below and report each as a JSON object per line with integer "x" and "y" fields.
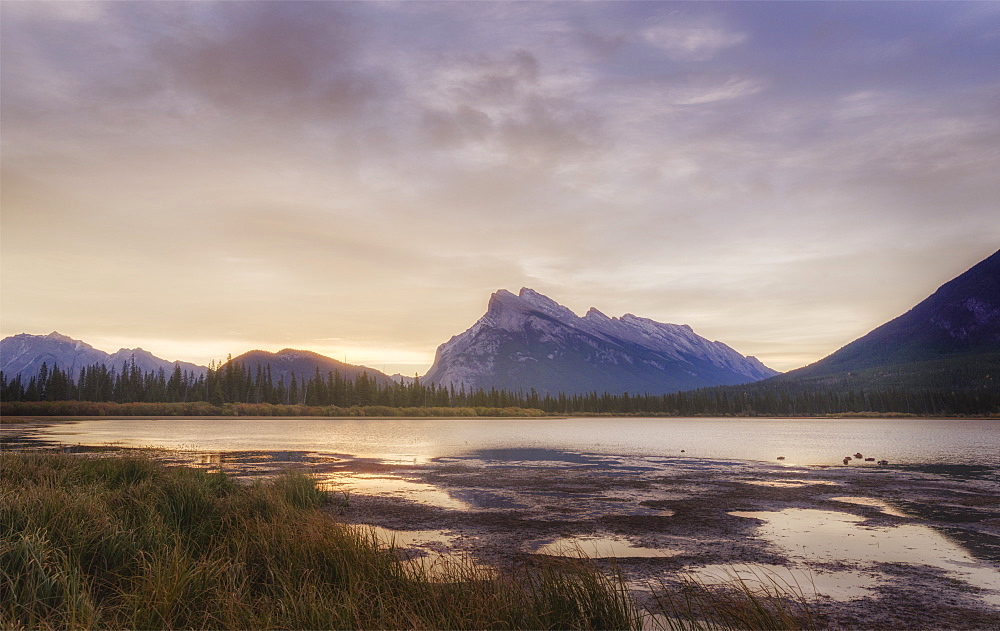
{"x": 128, "y": 543}
{"x": 760, "y": 601}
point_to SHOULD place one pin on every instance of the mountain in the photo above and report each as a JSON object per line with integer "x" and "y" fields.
{"x": 303, "y": 364}
{"x": 529, "y": 341}
{"x": 952, "y": 336}
{"x": 24, "y": 354}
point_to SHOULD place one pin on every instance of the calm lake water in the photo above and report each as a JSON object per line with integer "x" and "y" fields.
{"x": 799, "y": 441}
{"x": 587, "y": 472}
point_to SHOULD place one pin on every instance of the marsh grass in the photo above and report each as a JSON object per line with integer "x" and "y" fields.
{"x": 16, "y": 420}
{"x": 29, "y": 409}
{"x": 759, "y": 601}
{"x": 128, "y": 543}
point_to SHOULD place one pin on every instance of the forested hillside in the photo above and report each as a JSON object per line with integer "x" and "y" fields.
{"x": 968, "y": 390}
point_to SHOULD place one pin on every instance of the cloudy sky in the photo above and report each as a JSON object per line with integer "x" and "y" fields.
{"x": 356, "y": 178}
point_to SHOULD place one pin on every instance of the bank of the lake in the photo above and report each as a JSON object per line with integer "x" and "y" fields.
{"x": 798, "y": 441}
{"x": 201, "y": 409}
{"x": 124, "y": 542}
{"x": 912, "y": 544}
{"x": 127, "y": 543}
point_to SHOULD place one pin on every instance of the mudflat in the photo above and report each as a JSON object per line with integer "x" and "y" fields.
{"x": 872, "y": 547}
{"x": 904, "y": 547}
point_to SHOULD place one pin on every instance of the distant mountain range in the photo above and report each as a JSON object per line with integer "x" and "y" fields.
{"x": 523, "y": 342}
{"x": 950, "y": 341}
{"x": 952, "y": 338}
{"x": 529, "y": 341}
{"x": 24, "y": 354}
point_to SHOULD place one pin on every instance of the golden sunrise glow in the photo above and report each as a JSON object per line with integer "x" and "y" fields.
{"x": 177, "y": 177}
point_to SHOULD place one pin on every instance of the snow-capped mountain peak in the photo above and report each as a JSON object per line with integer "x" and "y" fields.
{"x": 595, "y": 315}
{"x": 24, "y": 354}
{"x": 544, "y": 304}
{"x": 530, "y": 341}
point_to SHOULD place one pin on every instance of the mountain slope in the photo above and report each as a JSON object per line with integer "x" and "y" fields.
{"x": 958, "y": 326}
{"x": 24, "y": 354}
{"x": 529, "y": 341}
{"x": 304, "y": 365}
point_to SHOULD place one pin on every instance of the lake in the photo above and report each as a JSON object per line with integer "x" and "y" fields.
{"x": 707, "y": 496}
{"x": 798, "y": 441}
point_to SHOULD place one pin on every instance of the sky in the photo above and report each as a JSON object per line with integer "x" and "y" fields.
{"x": 356, "y": 179}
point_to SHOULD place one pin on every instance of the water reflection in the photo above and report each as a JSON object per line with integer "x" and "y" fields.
{"x": 839, "y": 538}
{"x": 789, "y": 484}
{"x": 385, "y": 485}
{"x": 838, "y": 585}
{"x": 594, "y": 547}
{"x": 804, "y": 441}
{"x": 874, "y": 503}
{"x": 428, "y": 552}
{"x": 208, "y": 458}
{"x": 435, "y": 540}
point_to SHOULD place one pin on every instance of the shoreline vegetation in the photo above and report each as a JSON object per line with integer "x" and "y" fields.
{"x": 13, "y": 412}
{"x": 128, "y": 542}
{"x": 202, "y": 409}
{"x": 233, "y": 389}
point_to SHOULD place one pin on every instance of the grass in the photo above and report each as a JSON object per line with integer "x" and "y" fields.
{"x": 127, "y": 542}
{"x": 759, "y": 601}
{"x": 16, "y": 420}
{"x": 201, "y": 408}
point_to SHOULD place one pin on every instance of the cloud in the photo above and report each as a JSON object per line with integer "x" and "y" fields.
{"x": 508, "y": 105}
{"x": 683, "y": 42}
{"x": 69, "y": 11}
{"x": 492, "y": 80}
{"x": 706, "y": 89}
{"x": 372, "y": 171}
{"x": 450, "y": 129}
{"x": 271, "y": 58}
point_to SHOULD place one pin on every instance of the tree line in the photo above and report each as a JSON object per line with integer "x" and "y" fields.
{"x": 235, "y": 383}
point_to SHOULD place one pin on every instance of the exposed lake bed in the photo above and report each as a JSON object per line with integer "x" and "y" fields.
{"x": 909, "y": 545}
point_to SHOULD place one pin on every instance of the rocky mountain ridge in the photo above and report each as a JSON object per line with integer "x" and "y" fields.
{"x": 24, "y": 354}
{"x": 528, "y": 341}
{"x": 958, "y": 322}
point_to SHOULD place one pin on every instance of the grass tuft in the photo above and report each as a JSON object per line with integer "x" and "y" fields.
{"x": 129, "y": 543}
{"x": 763, "y": 601}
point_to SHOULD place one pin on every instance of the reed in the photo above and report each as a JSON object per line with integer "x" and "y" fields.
{"x": 759, "y": 601}
{"x": 126, "y": 542}
{"x": 26, "y": 410}
{"x": 129, "y": 543}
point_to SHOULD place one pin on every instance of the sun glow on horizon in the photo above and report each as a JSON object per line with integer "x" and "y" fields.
{"x": 407, "y": 362}
{"x": 375, "y": 356}
{"x": 676, "y": 161}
